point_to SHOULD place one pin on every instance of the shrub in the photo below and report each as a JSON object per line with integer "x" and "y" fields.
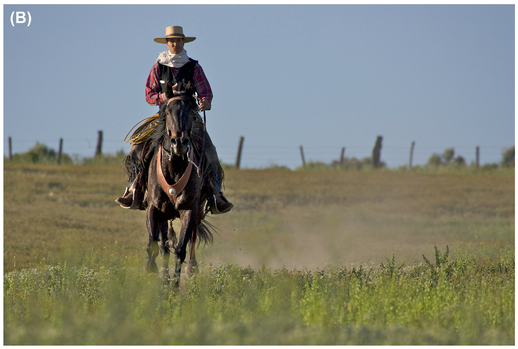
{"x": 448, "y": 155}
{"x": 446, "y": 159}
{"x": 508, "y": 158}
{"x": 459, "y": 161}
{"x": 41, "y": 154}
{"x": 435, "y": 160}
{"x": 104, "y": 159}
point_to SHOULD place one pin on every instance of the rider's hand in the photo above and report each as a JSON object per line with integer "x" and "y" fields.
{"x": 204, "y": 104}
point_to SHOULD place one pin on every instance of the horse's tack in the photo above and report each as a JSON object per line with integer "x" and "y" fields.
{"x": 177, "y": 98}
{"x": 173, "y": 190}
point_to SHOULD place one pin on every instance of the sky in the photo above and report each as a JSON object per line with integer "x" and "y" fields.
{"x": 283, "y": 76}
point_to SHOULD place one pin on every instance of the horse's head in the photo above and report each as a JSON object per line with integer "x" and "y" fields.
{"x": 178, "y": 124}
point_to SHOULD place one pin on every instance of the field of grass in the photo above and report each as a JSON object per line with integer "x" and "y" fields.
{"x": 303, "y": 258}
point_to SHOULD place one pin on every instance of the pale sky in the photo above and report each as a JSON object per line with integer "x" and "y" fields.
{"x": 320, "y": 76}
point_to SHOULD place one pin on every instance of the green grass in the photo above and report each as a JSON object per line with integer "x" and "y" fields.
{"x": 305, "y": 257}
{"x": 462, "y": 301}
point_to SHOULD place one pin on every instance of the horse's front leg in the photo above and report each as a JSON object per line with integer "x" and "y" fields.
{"x": 168, "y": 242}
{"x": 154, "y": 226}
{"x": 189, "y": 224}
{"x": 193, "y": 265}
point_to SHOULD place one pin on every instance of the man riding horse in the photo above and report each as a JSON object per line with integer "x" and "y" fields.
{"x": 174, "y": 69}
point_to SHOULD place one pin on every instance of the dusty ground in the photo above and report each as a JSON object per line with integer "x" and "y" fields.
{"x": 281, "y": 218}
{"x": 349, "y": 219}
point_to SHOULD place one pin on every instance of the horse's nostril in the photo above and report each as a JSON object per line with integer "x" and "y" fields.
{"x": 185, "y": 141}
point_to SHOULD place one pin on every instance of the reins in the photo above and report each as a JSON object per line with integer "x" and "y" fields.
{"x": 202, "y": 144}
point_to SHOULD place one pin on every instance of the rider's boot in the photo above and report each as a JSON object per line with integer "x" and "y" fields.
{"x": 218, "y": 203}
{"x": 132, "y": 197}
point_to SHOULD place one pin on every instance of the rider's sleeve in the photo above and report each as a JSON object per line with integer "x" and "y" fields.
{"x": 153, "y": 95}
{"x": 202, "y": 84}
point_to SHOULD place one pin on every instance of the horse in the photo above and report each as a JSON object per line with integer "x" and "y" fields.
{"x": 176, "y": 188}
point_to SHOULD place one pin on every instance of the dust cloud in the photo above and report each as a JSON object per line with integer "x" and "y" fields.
{"x": 298, "y": 239}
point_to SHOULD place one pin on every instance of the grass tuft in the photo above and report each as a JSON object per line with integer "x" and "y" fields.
{"x": 232, "y": 305}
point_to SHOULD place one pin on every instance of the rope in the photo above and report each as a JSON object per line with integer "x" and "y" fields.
{"x": 203, "y": 142}
{"x": 143, "y": 132}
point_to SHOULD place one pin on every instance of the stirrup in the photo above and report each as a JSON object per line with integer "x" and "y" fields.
{"x": 134, "y": 204}
{"x": 214, "y": 205}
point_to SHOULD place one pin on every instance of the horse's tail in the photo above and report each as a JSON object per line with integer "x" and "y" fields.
{"x": 204, "y": 233}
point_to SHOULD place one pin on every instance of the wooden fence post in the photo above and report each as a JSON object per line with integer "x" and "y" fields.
{"x": 60, "y": 151}
{"x": 478, "y": 156}
{"x": 302, "y": 155}
{"x": 376, "y": 152}
{"x": 10, "y": 148}
{"x": 411, "y": 155}
{"x": 342, "y": 157}
{"x": 98, "y": 150}
{"x": 239, "y": 149}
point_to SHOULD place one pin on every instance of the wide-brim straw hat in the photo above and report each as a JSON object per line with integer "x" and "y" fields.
{"x": 174, "y": 32}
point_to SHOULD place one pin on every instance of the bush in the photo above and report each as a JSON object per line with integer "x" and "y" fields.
{"x": 435, "y": 160}
{"x": 105, "y": 159}
{"x": 41, "y": 154}
{"x": 446, "y": 159}
{"x": 448, "y": 155}
{"x": 508, "y": 158}
{"x": 348, "y": 164}
{"x": 459, "y": 161}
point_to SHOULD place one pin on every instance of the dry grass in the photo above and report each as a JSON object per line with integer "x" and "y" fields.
{"x": 281, "y": 218}
{"x": 348, "y": 218}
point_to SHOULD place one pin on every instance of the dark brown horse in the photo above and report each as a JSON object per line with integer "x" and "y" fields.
{"x": 175, "y": 187}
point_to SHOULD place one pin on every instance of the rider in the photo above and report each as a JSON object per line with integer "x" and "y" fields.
{"x": 176, "y": 67}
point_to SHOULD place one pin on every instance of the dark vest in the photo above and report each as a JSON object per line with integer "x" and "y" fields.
{"x": 183, "y": 78}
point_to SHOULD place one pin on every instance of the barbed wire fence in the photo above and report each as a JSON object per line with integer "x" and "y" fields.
{"x": 292, "y": 156}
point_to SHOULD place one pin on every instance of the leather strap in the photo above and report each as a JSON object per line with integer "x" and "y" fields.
{"x": 176, "y": 188}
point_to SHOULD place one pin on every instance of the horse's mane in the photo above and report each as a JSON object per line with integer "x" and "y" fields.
{"x": 160, "y": 131}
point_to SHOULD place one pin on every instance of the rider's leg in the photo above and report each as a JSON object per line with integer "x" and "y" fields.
{"x": 218, "y": 203}
{"x": 134, "y": 192}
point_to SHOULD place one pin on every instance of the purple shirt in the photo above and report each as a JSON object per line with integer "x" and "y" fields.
{"x": 154, "y": 97}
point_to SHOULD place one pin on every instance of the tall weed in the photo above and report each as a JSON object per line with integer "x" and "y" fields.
{"x": 472, "y": 304}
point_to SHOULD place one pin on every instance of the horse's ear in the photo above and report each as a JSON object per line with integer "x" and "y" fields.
{"x": 169, "y": 90}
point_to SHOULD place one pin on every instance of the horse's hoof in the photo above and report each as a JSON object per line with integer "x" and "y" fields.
{"x": 151, "y": 268}
{"x": 192, "y": 268}
{"x": 166, "y": 281}
{"x": 175, "y": 281}
{"x": 171, "y": 244}
{"x": 165, "y": 273}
